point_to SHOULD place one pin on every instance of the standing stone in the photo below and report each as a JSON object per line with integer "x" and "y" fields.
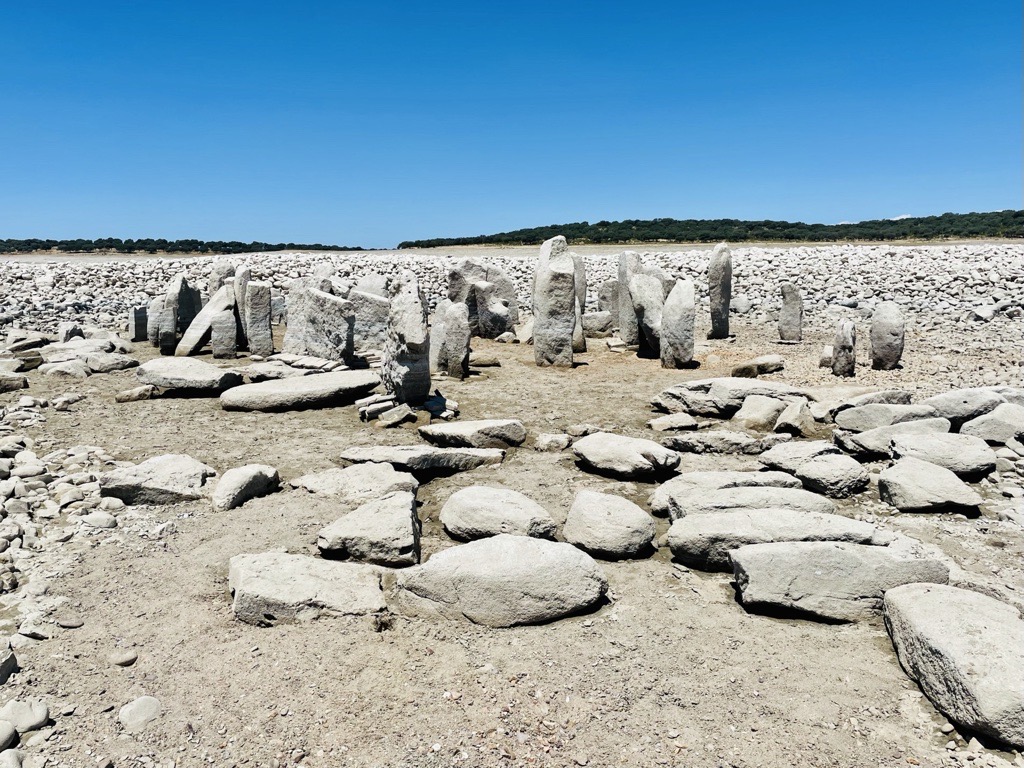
{"x": 844, "y": 349}
{"x": 437, "y": 333}
{"x": 554, "y": 304}
{"x": 242, "y": 277}
{"x": 461, "y": 279}
{"x": 667, "y": 281}
{"x": 224, "y": 333}
{"x": 492, "y": 311}
{"x": 648, "y": 299}
{"x": 580, "y": 280}
{"x": 608, "y": 298}
{"x": 720, "y": 290}
{"x": 579, "y": 338}
{"x": 791, "y": 318}
{"x": 186, "y": 300}
{"x": 257, "y": 318}
{"x": 138, "y": 323}
{"x": 319, "y": 324}
{"x": 219, "y": 272}
{"x": 199, "y": 332}
{"x": 371, "y": 324}
{"x": 153, "y": 312}
{"x": 887, "y": 329}
{"x": 677, "y": 321}
{"x": 453, "y": 355}
{"x": 406, "y": 360}
{"x": 629, "y": 328}
{"x": 167, "y": 328}
{"x": 505, "y": 290}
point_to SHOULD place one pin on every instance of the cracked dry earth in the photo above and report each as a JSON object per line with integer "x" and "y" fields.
{"x": 672, "y": 671}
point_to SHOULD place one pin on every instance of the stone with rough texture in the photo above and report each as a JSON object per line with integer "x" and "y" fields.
{"x": 677, "y": 323}
{"x": 319, "y": 323}
{"x": 791, "y": 317}
{"x": 622, "y": 456}
{"x": 165, "y": 479}
{"x": 224, "y": 334}
{"x": 608, "y": 298}
{"x": 321, "y": 390}
{"x": 629, "y": 328}
{"x": 427, "y": 460}
{"x": 667, "y": 499}
{"x": 608, "y": 526}
{"x": 480, "y": 511}
{"x": 827, "y": 580}
{"x": 385, "y": 531}
{"x": 998, "y": 427}
{"x": 220, "y": 271}
{"x": 554, "y": 304}
{"x": 759, "y": 413}
{"x": 485, "y": 433}
{"x": 257, "y": 312}
{"x": 370, "y": 330}
{"x": 966, "y": 651}
{"x": 154, "y": 311}
{"x": 705, "y": 541}
{"x": 12, "y": 383}
{"x": 238, "y": 485}
{"x": 198, "y": 333}
{"x": 405, "y": 368}
{"x": 138, "y": 324}
{"x": 492, "y": 311}
{"x": 887, "y": 334}
{"x": 25, "y": 716}
{"x": 648, "y": 304}
{"x": 673, "y": 422}
{"x": 874, "y": 415}
{"x": 965, "y": 456}
{"x": 877, "y": 442}
{"x": 274, "y": 587}
{"x": 357, "y": 483}
{"x": 844, "y": 349}
{"x": 835, "y": 475}
{"x": 697, "y": 501}
{"x": 187, "y": 376}
{"x": 500, "y": 581}
{"x": 138, "y": 713}
{"x": 721, "y": 441}
{"x": 796, "y": 419}
{"x": 913, "y": 485}
{"x": 453, "y": 351}
{"x": 963, "y": 405}
{"x": 720, "y": 290}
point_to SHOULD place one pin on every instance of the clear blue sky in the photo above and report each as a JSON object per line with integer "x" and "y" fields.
{"x": 374, "y": 122}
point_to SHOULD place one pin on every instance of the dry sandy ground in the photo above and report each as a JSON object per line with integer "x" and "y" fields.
{"x": 672, "y": 672}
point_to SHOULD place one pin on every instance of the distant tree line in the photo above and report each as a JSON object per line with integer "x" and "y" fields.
{"x": 1003, "y": 224}
{"x": 159, "y": 245}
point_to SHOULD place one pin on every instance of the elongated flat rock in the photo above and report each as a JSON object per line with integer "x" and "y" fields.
{"x": 743, "y": 499}
{"x": 165, "y": 479}
{"x": 966, "y": 651}
{"x": 357, "y": 483}
{"x": 874, "y": 443}
{"x": 384, "y": 531}
{"x": 424, "y": 459}
{"x": 275, "y": 587}
{"x": 621, "y": 456}
{"x": 500, "y": 581}
{"x": 484, "y": 433}
{"x": 665, "y": 501}
{"x": 480, "y": 511}
{"x": 826, "y": 580}
{"x": 965, "y": 456}
{"x": 913, "y": 485}
{"x": 187, "y": 375}
{"x": 322, "y": 390}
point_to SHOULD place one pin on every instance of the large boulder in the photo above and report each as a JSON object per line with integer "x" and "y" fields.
{"x": 319, "y": 323}
{"x": 836, "y": 475}
{"x": 877, "y": 443}
{"x": 887, "y": 332}
{"x": 274, "y": 587}
{"x": 165, "y": 479}
{"x": 554, "y": 304}
{"x": 705, "y": 541}
{"x": 608, "y": 526}
{"x": 677, "y": 326}
{"x": 480, "y": 511}
{"x": 667, "y": 498}
{"x": 405, "y": 367}
{"x": 913, "y": 485}
{"x": 621, "y": 456}
{"x": 322, "y": 390}
{"x": 187, "y": 376}
{"x": 965, "y": 456}
{"x": 874, "y": 415}
{"x": 424, "y": 460}
{"x": 356, "y": 483}
{"x": 745, "y": 499}
{"x": 962, "y": 405}
{"x": 999, "y": 426}
{"x": 835, "y": 581}
{"x": 385, "y": 531}
{"x": 500, "y": 581}
{"x": 484, "y": 433}
{"x": 966, "y": 651}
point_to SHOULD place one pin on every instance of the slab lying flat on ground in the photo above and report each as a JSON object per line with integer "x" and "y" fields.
{"x": 322, "y": 390}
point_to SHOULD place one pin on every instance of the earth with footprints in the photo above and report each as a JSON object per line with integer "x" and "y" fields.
{"x": 693, "y": 506}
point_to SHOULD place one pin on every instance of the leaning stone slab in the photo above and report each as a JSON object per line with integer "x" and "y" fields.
{"x": 385, "y": 531}
{"x": 480, "y": 511}
{"x": 666, "y": 498}
{"x": 826, "y": 580}
{"x": 913, "y": 485}
{"x": 500, "y": 581}
{"x": 275, "y": 587}
{"x": 198, "y": 333}
{"x": 240, "y": 484}
{"x": 965, "y": 456}
{"x": 485, "y": 433}
{"x": 322, "y": 390}
{"x": 608, "y": 526}
{"x": 621, "y": 456}
{"x": 160, "y": 480}
{"x": 357, "y": 483}
{"x": 705, "y": 541}
{"x": 187, "y": 376}
{"x": 876, "y": 443}
{"x": 966, "y": 651}
{"x": 424, "y": 460}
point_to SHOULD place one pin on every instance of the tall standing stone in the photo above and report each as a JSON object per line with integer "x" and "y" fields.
{"x": 437, "y": 333}
{"x": 677, "y": 322}
{"x": 461, "y": 279}
{"x": 372, "y": 310}
{"x": 138, "y": 321}
{"x": 629, "y": 329}
{"x": 720, "y": 290}
{"x": 219, "y": 272}
{"x": 258, "y": 297}
{"x": 608, "y": 298}
{"x": 579, "y": 339}
{"x": 453, "y": 357}
{"x": 242, "y": 277}
{"x": 319, "y": 323}
{"x": 844, "y": 349}
{"x": 405, "y": 368}
{"x": 887, "y": 336}
{"x": 791, "y": 318}
{"x": 554, "y": 304}
{"x": 648, "y": 302}
{"x": 224, "y": 333}
{"x": 153, "y": 312}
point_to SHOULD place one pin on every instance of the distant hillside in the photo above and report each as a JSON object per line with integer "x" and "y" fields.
{"x": 117, "y": 245}
{"x": 947, "y": 226}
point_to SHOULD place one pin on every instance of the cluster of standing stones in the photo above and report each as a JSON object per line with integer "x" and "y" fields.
{"x": 778, "y": 529}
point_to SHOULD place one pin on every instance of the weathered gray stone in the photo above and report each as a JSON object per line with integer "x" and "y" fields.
{"x": 966, "y": 651}
{"x": 677, "y": 326}
{"x": 240, "y": 484}
{"x": 681, "y": 501}
{"x": 608, "y": 299}
{"x": 108, "y": 362}
{"x": 138, "y": 328}
{"x": 791, "y": 317}
{"x": 720, "y": 290}
{"x": 11, "y": 382}
{"x": 138, "y": 713}
{"x": 357, "y": 483}
{"x": 796, "y": 419}
{"x": 371, "y": 322}
{"x": 188, "y": 376}
{"x": 836, "y": 475}
{"x": 243, "y": 274}
{"x": 220, "y": 271}
{"x": 873, "y": 415}
{"x": 453, "y": 353}
{"x": 827, "y": 580}
{"x": 673, "y": 422}
{"x": 25, "y": 716}
{"x": 257, "y": 311}
{"x": 608, "y": 526}
{"x": 597, "y": 324}
{"x": 874, "y": 443}
{"x": 321, "y": 390}
{"x": 844, "y": 349}
{"x": 887, "y": 332}
{"x": 485, "y": 433}
{"x": 629, "y": 328}
{"x": 759, "y": 413}
{"x": 622, "y": 456}
{"x": 913, "y": 485}
{"x": 154, "y": 312}
{"x": 480, "y": 511}
{"x": 224, "y": 334}
{"x": 161, "y": 480}
{"x": 554, "y": 304}
{"x": 668, "y": 498}
{"x": 965, "y": 456}
{"x": 319, "y": 324}
{"x": 426, "y": 460}
{"x": 275, "y": 587}
{"x": 962, "y": 405}
{"x": 385, "y": 531}
{"x": 998, "y": 427}
{"x": 721, "y": 441}
{"x": 500, "y": 581}
{"x": 405, "y": 368}
{"x": 493, "y": 317}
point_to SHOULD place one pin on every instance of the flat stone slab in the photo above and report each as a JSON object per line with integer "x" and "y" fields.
{"x": 322, "y": 390}
{"x": 500, "y": 581}
{"x": 425, "y": 460}
{"x": 875, "y": 415}
{"x": 835, "y": 475}
{"x": 966, "y": 456}
{"x": 187, "y": 375}
{"x": 787, "y": 457}
{"x": 876, "y": 443}
{"x": 621, "y": 456}
{"x": 966, "y": 651}
{"x": 274, "y": 587}
{"x": 705, "y": 541}
{"x": 913, "y": 485}
{"x": 165, "y": 479}
{"x": 999, "y": 426}
{"x": 826, "y": 580}
{"x": 485, "y": 433}
{"x": 357, "y": 483}
{"x": 744, "y": 499}
{"x": 480, "y": 511}
{"x": 665, "y": 501}
{"x": 385, "y": 531}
